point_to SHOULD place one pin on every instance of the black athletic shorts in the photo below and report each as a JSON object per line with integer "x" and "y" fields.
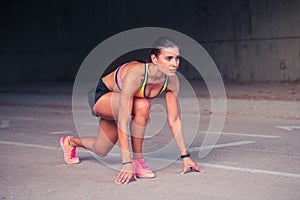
{"x": 96, "y": 92}
{"x": 101, "y": 90}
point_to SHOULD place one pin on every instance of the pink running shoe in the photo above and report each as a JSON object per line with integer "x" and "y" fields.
{"x": 141, "y": 169}
{"x": 69, "y": 151}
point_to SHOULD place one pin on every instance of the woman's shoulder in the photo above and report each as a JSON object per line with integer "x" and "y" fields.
{"x": 135, "y": 67}
{"x": 135, "y": 63}
{"x": 134, "y": 71}
{"x": 173, "y": 84}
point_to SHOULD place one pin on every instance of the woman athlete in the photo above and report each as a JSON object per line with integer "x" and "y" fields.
{"x": 125, "y": 93}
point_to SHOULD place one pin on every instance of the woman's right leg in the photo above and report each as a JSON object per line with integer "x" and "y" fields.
{"x": 103, "y": 143}
{"x": 106, "y": 107}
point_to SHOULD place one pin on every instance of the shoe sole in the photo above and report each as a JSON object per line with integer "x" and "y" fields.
{"x": 145, "y": 177}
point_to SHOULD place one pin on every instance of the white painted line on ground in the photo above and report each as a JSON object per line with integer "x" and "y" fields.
{"x": 221, "y": 145}
{"x": 255, "y": 171}
{"x": 29, "y": 145}
{"x": 4, "y": 123}
{"x": 243, "y": 134}
{"x": 60, "y": 132}
{"x": 37, "y": 146}
{"x": 288, "y": 128}
{"x": 239, "y": 169}
{"x": 225, "y": 167}
{"x": 18, "y": 118}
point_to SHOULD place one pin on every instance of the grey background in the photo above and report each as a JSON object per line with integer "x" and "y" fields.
{"x": 250, "y": 40}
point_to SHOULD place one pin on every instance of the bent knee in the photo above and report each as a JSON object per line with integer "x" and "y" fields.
{"x": 142, "y": 107}
{"x": 101, "y": 153}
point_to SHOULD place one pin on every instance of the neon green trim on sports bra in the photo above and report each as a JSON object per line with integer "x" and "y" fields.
{"x": 142, "y": 91}
{"x": 143, "y": 88}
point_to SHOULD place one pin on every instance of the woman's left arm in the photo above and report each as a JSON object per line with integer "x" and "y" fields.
{"x": 176, "y": 124}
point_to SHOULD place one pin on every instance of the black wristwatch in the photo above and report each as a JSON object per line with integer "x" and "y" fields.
{"x": 186, "y": 155}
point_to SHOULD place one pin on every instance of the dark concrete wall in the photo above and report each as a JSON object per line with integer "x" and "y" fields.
{"x": 250, "y": 40}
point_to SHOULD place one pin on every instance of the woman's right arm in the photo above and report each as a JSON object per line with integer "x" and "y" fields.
{"x": 131, "y": 83}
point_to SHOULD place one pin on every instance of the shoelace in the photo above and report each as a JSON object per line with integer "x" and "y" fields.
{"x": 143, "y": 164}
{"x": 73, "y": 153}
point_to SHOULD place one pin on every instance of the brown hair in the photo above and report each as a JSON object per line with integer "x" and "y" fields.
{"x": 161, "y": 43}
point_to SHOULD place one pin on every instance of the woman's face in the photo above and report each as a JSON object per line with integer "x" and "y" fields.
{"x": 168, "y": 60}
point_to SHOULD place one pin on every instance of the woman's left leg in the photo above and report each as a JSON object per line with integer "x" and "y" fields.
{"x": 140, "y": 116}
{"x": 141, "y": 112}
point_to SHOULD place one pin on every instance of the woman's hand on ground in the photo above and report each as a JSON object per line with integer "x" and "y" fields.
{"x": 190, "y": 163}
{"x": 126, "y": 174}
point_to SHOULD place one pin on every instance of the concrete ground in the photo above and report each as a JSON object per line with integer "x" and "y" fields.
{"x": 257, "y": 156}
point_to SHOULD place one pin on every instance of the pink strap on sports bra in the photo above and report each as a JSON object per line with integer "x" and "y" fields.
{"x": 118, "y": 76}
